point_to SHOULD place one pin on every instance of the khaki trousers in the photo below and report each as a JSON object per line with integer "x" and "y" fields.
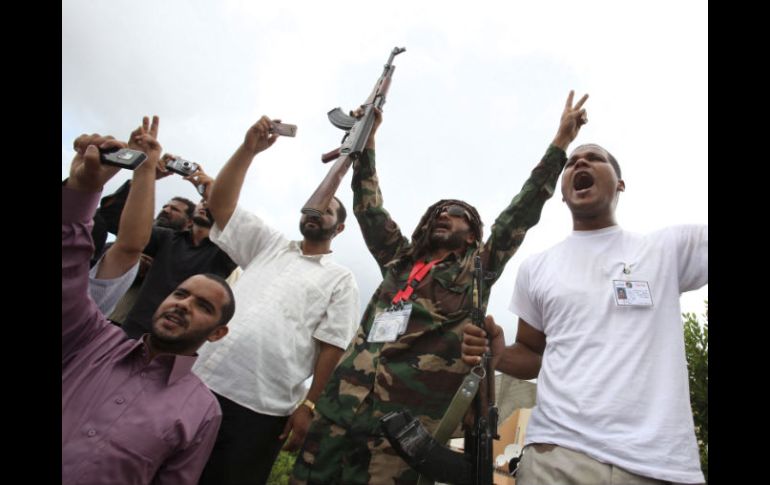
{"x": 544, "y": 464}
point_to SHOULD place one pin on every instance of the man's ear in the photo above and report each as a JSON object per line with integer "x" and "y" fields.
{"x": 470, "y": 238}
{"x": 218, "y": 333}
{"x": 621, "y": 186}
{"x": 340, "y": 228}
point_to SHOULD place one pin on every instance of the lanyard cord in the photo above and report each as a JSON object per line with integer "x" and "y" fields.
{"x": 419, "y": 270}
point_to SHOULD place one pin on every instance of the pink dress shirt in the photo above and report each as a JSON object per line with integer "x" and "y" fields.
{"x": 124, "y": 420}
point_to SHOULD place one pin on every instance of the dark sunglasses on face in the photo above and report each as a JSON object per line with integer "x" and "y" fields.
{"x": 455, "y": 211}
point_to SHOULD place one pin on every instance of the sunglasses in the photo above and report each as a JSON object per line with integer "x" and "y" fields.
{"x": 455, "y": 211}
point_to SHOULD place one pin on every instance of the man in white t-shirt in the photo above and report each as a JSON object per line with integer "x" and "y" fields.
{"x": 600, "y": 327}
{"x": 296, "y": 312}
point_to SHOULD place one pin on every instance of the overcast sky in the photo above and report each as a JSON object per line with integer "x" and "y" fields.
{"x": 475, "y": 100}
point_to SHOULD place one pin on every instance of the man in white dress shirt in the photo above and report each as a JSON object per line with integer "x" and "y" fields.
{"x": 296, "y": 312}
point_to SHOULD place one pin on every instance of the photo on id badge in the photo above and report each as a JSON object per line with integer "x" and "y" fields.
{"x": 390, "y": 324}
{"x": 632, "y": 293}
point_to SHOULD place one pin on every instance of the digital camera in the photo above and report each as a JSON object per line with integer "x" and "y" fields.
{"x": 182, "y": 166}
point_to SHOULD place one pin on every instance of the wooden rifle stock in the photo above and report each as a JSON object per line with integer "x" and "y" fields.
{"x": 322, "y": 197}
{"x": 357, "y": 131}
{"x": 332, "y": 155}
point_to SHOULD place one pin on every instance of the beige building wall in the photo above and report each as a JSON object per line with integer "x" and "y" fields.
{"x": 512, "y": 432}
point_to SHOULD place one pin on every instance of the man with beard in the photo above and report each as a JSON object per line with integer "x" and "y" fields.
{"x": 406, "y": 354}
{"x": 176, "y": 214}
{"x": 176, "y": 255}
{"x": 612, "y": 396}
{"x": 132, "y": 411}
{"x": 297, "y": 311}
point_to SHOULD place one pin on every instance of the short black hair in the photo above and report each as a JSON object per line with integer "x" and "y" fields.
{"x": 190, "y": 206}
{"x": 614, "y": 164}
{"x": 342, "y": 214}
{"x": 229, "y": 308}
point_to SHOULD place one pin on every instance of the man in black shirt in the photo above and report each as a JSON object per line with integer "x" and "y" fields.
{"x": 177, "y": 255}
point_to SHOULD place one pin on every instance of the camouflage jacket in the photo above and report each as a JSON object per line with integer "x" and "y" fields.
{"x": 422, "y": 369}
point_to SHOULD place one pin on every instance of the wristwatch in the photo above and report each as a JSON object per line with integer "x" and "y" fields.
{"x": 310, "y": 404}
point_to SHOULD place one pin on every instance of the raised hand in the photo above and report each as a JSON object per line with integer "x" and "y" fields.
{"x": 258, "y": 137}
{"x": 359, "y": 112}
{"x": 87, "y": 173}
{"x": 160, "y": 168}
{"x": 145, "y": 139}
{"x": 572, "y": 118}
{"x": 202, "y": 182}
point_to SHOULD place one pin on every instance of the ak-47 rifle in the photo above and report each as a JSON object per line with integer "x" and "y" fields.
{"x": 357, "y": 132}
{"x": 478, "y": 439}
{"x": 428, "y": 454}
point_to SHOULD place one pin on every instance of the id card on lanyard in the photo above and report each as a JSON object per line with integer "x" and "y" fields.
{"x": 630, "y": 292}
{"x": 388, "y": 325}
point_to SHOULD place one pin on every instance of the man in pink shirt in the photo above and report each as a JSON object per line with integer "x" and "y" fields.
{"x": 132, "y": 412}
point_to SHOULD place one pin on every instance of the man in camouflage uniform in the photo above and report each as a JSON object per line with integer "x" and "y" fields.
{"x": 422, "y": 368}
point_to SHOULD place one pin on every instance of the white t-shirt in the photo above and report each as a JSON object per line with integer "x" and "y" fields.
{"x": 107, "y": 292}
{"x": 613, "y": 382}
{"x": 284, "y": 300}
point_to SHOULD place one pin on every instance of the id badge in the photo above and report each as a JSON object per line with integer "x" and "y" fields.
{"x": 632, "y": 293}
{"x": 389, "y": 324}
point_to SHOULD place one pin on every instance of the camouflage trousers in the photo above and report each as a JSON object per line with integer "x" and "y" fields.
{"x": 334, "y": 455}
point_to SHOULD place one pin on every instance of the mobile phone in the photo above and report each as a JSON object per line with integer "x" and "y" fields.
{"x": 121, "y": 157}
{"x": 182, "y": 166}
{"x": 284, "y": 129}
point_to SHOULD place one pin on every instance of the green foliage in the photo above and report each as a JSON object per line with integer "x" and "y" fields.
{"x": 696, "y": 342}
{"x": 282, "y": 467}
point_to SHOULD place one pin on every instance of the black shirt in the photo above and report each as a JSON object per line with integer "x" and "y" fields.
{"x": 175, "y": 259}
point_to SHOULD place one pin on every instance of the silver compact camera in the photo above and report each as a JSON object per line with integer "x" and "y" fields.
{"x": 182, "y": 166}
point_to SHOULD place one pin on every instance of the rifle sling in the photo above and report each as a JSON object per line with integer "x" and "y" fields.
{"x": 455, "y": 412}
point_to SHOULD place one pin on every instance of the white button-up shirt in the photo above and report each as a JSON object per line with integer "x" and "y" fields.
{"x": 284, "y": 302}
